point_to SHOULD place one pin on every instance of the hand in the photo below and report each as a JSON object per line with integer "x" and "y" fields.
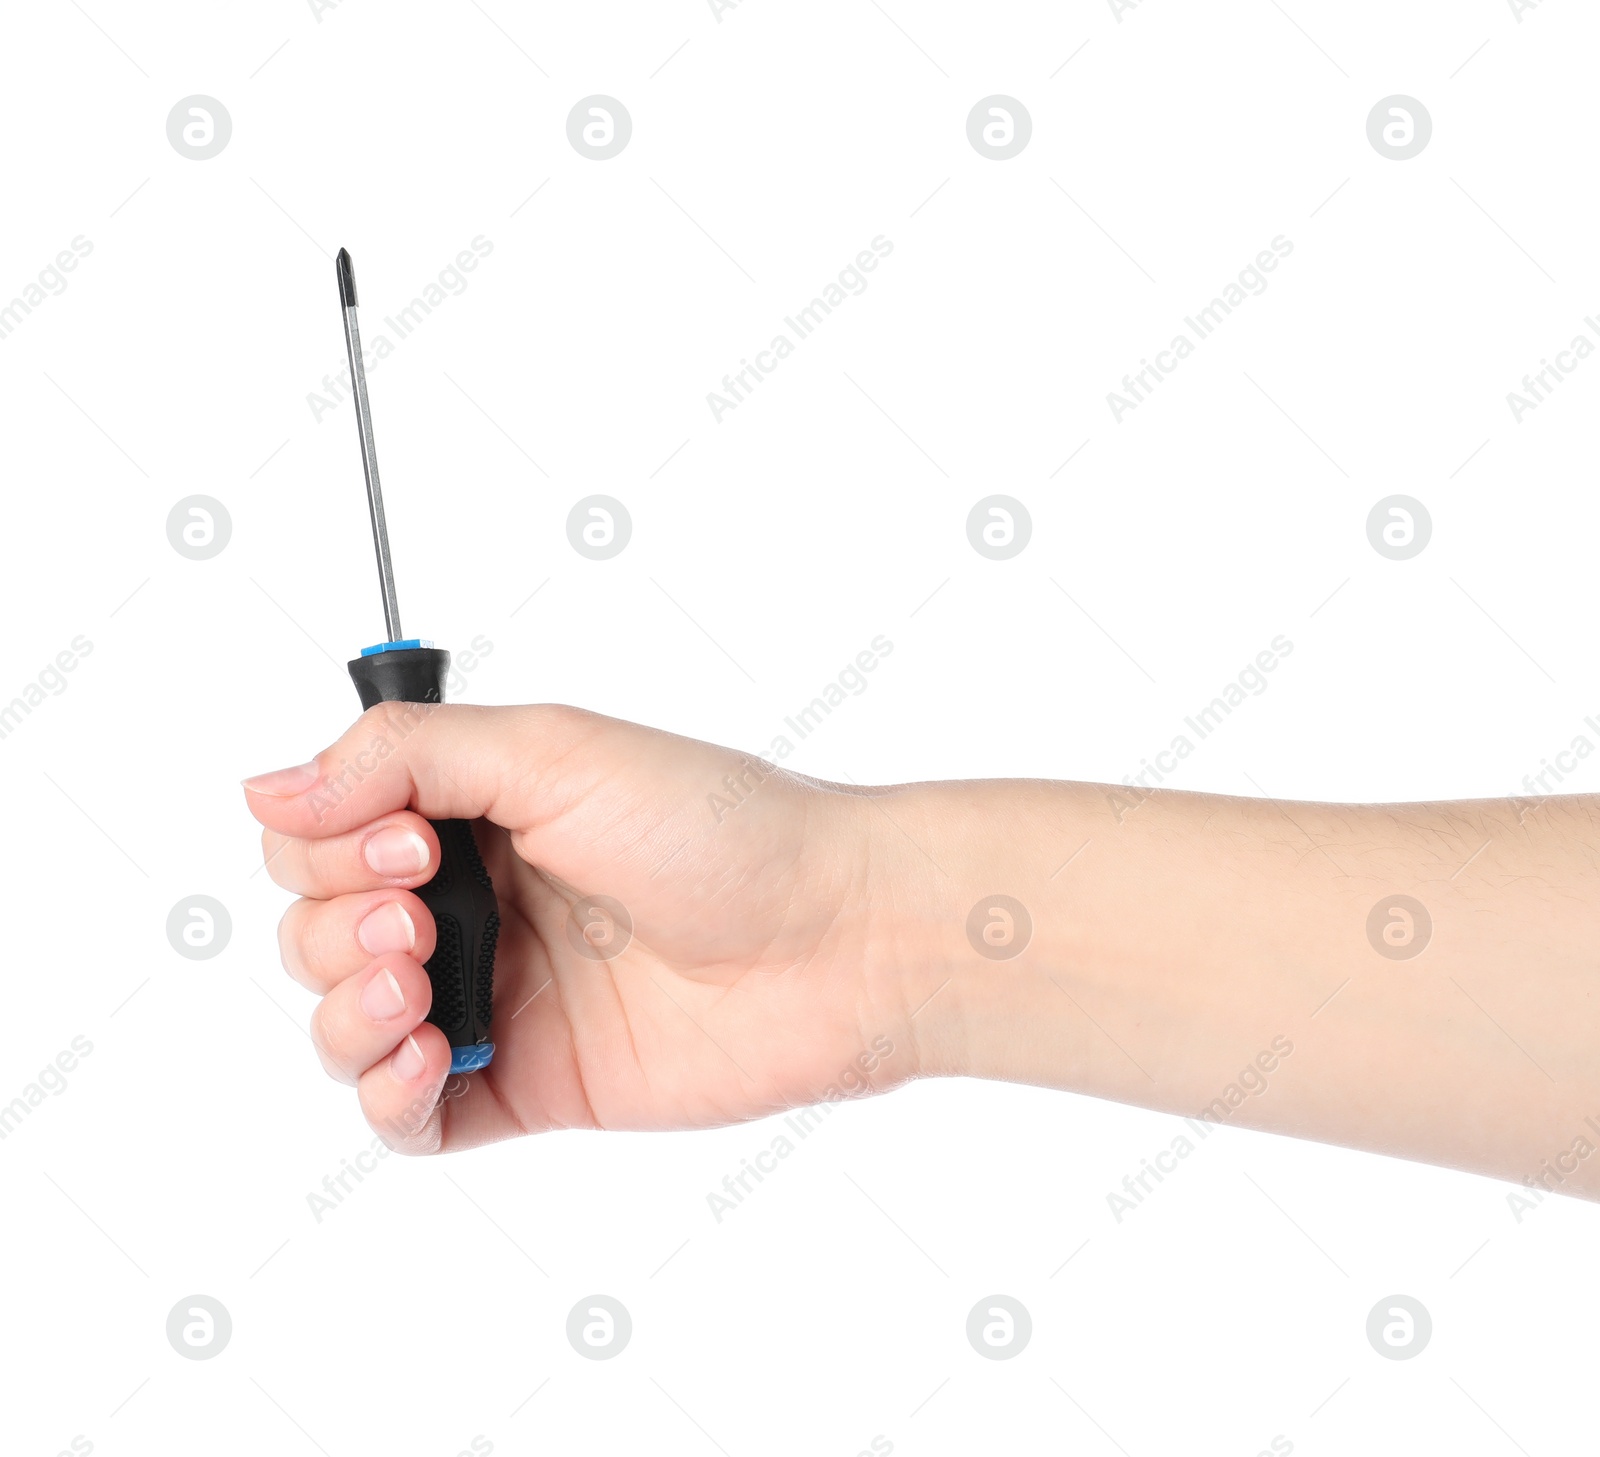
{"x": 751, "y": 981}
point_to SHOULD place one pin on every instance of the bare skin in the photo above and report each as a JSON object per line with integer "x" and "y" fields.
{"x": 794, "y": 941}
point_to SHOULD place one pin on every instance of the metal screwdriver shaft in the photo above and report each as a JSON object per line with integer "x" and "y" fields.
{"x": 369, "y": 451}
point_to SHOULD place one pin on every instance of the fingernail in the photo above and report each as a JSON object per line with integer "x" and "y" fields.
{"x": 408, "y": 1063}
{"x": 284, "y": 783}
{"x": 382, "y": 998}
{"x": 396, "y": 851}
{"x": 386, "y": 928}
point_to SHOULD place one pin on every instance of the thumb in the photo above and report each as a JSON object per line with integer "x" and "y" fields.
{"x": 446, "y": 761}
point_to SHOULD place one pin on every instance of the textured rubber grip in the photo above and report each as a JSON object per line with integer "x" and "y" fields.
{"x": 466, "y": 916}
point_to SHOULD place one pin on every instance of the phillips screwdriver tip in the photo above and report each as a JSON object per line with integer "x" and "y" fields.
{"x": 347, "y": 280}
{"x": 369, "y": 453}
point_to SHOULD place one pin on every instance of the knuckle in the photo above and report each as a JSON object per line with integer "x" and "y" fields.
{"x": 312, "y": 957}
{"x": 333, "y": 1070}
{"x": 380, "y": 720}
{"x": 413, "y": 1129}
{"x": 423, "y": 1146}
{"x": 561, "y": 722}
{"x": 415, "y": 1138}
{"x": 378, "y": 731}
{"x": 273, "y": 849}
{"x": 290, "y": 933}
{"x": 329, "y": 1040}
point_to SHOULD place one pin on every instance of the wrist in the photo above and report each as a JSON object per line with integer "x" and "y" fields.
{"x": 975, "y": 934}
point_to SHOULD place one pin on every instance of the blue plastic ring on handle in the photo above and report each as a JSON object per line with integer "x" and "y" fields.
{"x": 470, "y": 1059}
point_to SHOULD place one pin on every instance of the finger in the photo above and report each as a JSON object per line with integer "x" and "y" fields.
{"x": 398, "y": 850}
{"x": 366, "y": 1017}
{"x": 453, "y": 761}
{"x": 322, "y": 942}
{"x": 400, "y": 1094}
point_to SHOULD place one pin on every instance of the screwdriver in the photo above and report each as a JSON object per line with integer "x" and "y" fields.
{"x": 466, "y": 916}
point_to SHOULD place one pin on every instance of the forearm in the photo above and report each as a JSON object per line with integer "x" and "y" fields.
{"x": 1211, "y": 957}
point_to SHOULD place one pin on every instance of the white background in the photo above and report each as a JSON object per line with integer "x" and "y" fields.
{"x": 769, "y": 146}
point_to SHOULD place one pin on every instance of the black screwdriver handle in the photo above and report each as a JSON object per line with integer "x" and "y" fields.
{"x": 461, "y": 897}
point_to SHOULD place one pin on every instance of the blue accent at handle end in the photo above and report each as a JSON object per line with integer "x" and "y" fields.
{"x": 389, "y": 647}
{"x": 470, "y": 1059}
